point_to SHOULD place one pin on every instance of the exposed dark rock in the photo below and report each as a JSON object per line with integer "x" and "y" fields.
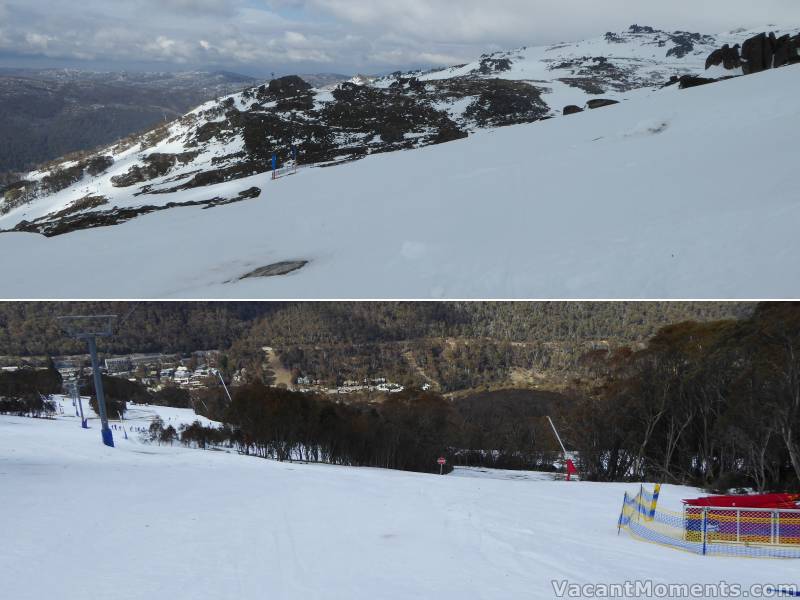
{"x": 590, "y": 85}
{"x": 156, "y": 164}
{"x": 494, "y": 65}
{"x": 208, "y": 131}
{"x": 641, "y": 29}
{"x": 291, "y": 85}
{"x": 505, "y": 102}
{"x": 252, "y": 192}
{"x": 684, "y": 43}
{"x": 59, "y": 223}
{"x": 236, "y": 170}
{"x": 689, "y": 81}
{"x": 275, "y": 269}
{"x": 300, "y": 102}
{"x": 85, "y": 203}
{"x": 726, "y": 56}
{"x": 409, "y": 83}
{"x": 572, "y": 109}
{"x": 757, "y": 54}
{"x": 786, "y": 51}
{"x": 600, "y": 102}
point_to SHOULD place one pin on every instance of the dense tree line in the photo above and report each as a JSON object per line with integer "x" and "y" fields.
{"x": 406, "y": 431}
{"x": 29, "y": 405}
{"x": 508, "y": 429}
{"x": 118, "y": 392}
{"x": 24, "y": 392}
{"x": 30, "y": 381}
{"x": 715, "y": 404}
{"x": 31, "y": 328}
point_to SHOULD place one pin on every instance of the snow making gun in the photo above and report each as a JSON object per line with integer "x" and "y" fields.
{"x": 571, "y": 470}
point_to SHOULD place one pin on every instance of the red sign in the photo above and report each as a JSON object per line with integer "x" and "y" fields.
{"x": 442, "y": 460}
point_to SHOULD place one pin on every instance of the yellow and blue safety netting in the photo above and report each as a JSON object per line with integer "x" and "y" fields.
{"x": 758, "y": 533}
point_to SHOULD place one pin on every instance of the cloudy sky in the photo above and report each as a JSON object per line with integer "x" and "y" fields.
{"x": 346, "y": 36}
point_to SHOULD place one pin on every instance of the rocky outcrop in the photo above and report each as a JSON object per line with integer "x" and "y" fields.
{"x": 275, "y": 269}
{"x": 572, "y": 109}
{"x": 785, "y": 50}
{"x": 64, "y": 222}
{"x": 156, "y": 164}
{"x": 494, "y": 65}
{"x": 758, "y": 53}
{"x": 600, "y": 103}
{"x": 286, "y": 87}
{"x": 505, "y": 102}
{"x": 729, "y": 58}
{"x": 690, "y": 81}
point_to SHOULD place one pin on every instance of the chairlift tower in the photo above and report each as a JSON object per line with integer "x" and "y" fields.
{"x": 89, "y": 328}
{"x": 76, "y": 399}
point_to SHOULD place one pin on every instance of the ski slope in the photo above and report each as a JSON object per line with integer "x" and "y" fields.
{"x": 676, "y": 194}
{"x": 141, "y": 521}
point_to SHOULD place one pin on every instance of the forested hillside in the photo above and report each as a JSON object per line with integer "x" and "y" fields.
{"x": 31, "y": 328}
{"x": 452, "y": 346}
{"x": 715, "y": 404}
{"x": 456, "y": 346}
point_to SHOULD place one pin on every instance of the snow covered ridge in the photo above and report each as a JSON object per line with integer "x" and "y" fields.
{"x": 234, "y": 138}
{"x": 636, "y": 200}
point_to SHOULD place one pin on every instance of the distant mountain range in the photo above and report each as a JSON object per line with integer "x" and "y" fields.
{"x": 47, "y": 113}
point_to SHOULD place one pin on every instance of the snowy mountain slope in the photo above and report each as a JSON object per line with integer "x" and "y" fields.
{"x": 142, "y": 521}
{"x": 236, "y": 136}
{"x": 681, "y": 193}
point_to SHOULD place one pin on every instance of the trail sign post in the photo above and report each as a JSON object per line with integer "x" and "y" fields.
{"x": 442, "y": 462}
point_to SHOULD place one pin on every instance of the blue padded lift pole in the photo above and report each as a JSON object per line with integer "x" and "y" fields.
{"x": 105, "y": 432}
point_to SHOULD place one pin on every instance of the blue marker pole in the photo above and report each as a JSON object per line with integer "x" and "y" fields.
{"x": 274, "y": 164}
{"x": 622, "y": 512}
{"x": 705, "y": 531}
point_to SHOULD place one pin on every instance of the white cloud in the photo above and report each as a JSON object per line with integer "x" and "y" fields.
{"x": 348, "y": 35}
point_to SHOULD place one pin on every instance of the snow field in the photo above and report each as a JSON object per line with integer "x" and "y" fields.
{"x": 139, "y": 521}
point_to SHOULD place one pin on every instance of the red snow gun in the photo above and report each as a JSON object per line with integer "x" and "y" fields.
{"x": 571, "y": 470}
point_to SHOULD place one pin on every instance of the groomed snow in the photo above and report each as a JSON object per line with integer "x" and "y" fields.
{"x": 678, "y": 194}
{"x": 80, "y": 520}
